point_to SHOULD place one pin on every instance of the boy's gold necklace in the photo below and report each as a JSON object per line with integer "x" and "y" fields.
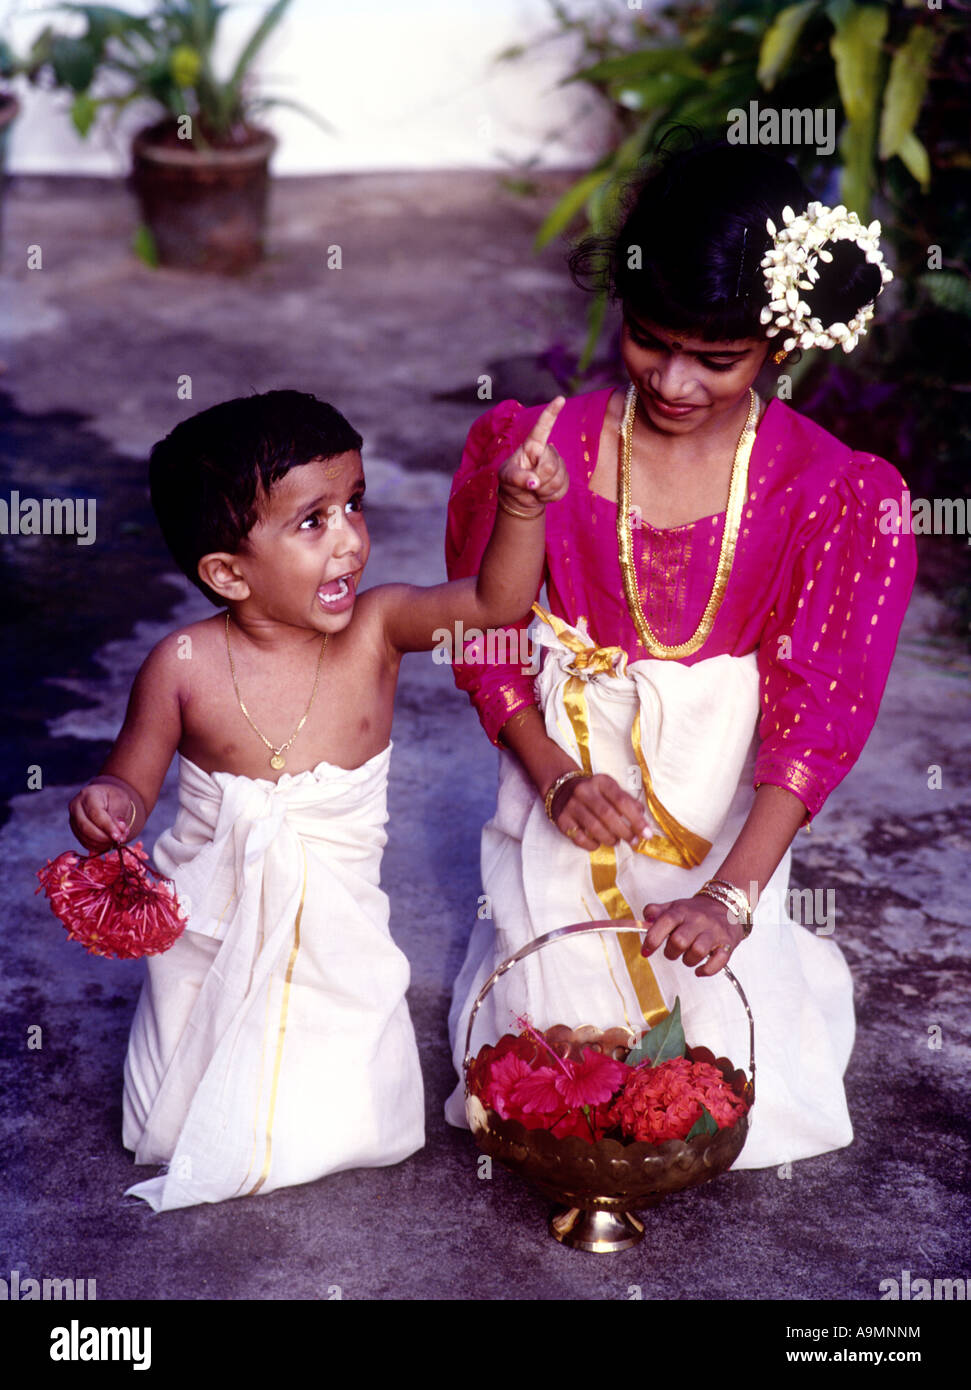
{"x": 277, "y": 760}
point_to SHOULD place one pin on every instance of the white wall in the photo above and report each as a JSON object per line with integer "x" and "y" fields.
{"x": 409, "y": 84}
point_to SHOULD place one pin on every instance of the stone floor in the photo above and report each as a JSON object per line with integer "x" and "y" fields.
{"x": 438, "y": 286}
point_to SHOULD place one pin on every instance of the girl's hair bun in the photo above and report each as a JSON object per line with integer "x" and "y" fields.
{"x": 691, "y": 236}
{"x": 845, "y": 284}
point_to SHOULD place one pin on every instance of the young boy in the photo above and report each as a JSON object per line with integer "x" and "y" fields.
{"x": 272, "y": 1044}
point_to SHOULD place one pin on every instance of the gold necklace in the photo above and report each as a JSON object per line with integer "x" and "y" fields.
{"x": 733, "y": 517}
{"x": 277, "y": 760}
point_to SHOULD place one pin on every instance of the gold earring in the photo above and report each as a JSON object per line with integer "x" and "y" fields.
{"x": 779, "y": 356}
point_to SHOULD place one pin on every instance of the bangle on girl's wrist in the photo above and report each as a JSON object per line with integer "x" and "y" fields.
{"x": 561, "y": 781}
{"x": 730, "y": 896}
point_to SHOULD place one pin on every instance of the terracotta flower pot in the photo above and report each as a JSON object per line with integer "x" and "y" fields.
{"x": 206, "y": 208}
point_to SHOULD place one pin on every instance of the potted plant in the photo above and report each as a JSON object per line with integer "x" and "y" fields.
{"x": 200, "y": 171}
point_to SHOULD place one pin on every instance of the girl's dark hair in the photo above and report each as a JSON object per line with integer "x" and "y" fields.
{"x": 209, "y": 476}
{"x": 686, "y": 254}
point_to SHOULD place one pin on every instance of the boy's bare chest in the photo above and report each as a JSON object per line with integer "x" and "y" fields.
{"x": 334, "y": 705}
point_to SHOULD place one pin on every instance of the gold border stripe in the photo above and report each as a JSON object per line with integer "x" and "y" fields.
{"x": 259, "y": 1093}
{"x": 677, "y": 845}
{"x": 284, "y": 1003}
{"x": 603, "y": 862}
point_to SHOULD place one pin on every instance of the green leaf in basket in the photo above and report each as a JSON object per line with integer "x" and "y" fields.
{"x": 705, "y": 1124}
{"x": 664, "y": 1041}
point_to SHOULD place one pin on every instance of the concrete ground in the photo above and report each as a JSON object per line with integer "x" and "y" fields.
{"x": 438, "y": 286}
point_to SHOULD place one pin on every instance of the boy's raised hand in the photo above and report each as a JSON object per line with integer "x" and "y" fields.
{"x": 536, "y": 473}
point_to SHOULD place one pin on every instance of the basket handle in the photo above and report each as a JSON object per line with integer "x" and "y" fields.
{"x": 584, "y": 929}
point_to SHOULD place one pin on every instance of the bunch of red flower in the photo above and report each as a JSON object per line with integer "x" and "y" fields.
{"x": 522, "y": 1078}
{"x": 664, "y": 1102}
{"x": 115, "y": 904}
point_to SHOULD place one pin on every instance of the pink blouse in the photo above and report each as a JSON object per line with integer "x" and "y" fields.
{"x": 817, "y": 589}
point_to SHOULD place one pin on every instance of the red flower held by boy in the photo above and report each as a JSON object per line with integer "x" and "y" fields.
{"x": 113, "y": 905}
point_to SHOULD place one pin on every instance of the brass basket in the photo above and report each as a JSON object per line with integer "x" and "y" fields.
{"x": 598, "y": 1186}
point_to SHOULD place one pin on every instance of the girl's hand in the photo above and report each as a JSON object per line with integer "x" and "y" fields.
{"x": 699, "y": 929}
{"x": 535, "y": 474}
{"x": 101, "y": 816}
{"x": 594, "y": 811}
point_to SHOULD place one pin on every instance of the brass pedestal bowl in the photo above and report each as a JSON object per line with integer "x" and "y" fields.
{"x": 599, "y": 1186}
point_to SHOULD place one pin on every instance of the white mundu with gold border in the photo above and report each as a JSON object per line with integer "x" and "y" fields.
{"x": 272, "y": 1044}
{"x": 682, "y": 738}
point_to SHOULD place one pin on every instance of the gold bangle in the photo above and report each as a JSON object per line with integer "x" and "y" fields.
{"x": 514, "y": 511}
{"x": 730, "y": 897}
{"x": 561, "y": 781}
{"x": 745, "y": 906}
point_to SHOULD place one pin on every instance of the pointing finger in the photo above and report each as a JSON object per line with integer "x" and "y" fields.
{"x": 540, "y": 432}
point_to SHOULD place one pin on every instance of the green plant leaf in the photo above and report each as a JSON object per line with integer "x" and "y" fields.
{"x": 73, "y": 61}
{"x": 647, "y": 62}
{"x": 916, "y": 160}
{"x": 575, "y": 197}
{"x": 664, "y": 1041}
{"x": 856, "y": 179}
{"x": 857, "y": 49}
{"x": 256, "y": 41}
{"x": 262, "y": 103}
{"x": 83, "y": 111}
{"x": 948, "y": 290}
{"x": 658, "y": 90}
{"x": 705, "y": 1124}
{"x": 779, "y": 41}
{"x": 144, "y": 247}
{"x": 856, "y": 46}
{"x": 8, "y": 60}
{"x": 904, "y": 92}
{"x": 838, "y": 10}
{"x": 595, "y": 318}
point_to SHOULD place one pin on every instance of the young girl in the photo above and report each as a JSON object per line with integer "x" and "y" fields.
{"x": 724, "y": 609}
{"x": 272, "y": 1044}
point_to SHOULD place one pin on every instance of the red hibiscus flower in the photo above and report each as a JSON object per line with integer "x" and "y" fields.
{"x": 524, "y": 1079}
{"x": 593, "y": 1080}
{"x": 538, "y": 1090}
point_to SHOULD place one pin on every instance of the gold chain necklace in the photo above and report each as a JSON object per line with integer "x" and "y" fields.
{"x": 733, "y": 516}
{"x": 277, "y": 760}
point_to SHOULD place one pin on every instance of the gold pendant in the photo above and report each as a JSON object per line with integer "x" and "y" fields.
{"x": 278, "y": 761}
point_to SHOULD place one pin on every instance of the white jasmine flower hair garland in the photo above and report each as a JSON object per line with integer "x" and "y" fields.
{"x": 790, "y": 266}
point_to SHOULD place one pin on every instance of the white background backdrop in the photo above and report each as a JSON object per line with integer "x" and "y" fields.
{"x": 409, "y": 84}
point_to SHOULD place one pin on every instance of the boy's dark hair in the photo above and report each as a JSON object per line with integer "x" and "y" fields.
{"x": 209, "y": 475}
{"x": 697, "y": 218}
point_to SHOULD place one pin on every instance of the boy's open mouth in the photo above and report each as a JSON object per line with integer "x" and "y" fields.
{"x": 336, "y": 589}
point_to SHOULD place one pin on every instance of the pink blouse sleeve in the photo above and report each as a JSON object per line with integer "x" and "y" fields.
{"x": 825, "y": 654}
{"x": 498, "y": 690}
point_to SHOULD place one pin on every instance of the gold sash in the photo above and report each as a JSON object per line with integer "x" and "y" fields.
{"x": 674, "y": 845}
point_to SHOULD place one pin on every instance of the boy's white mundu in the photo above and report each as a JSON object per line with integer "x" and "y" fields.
{"x": 683, "y": 738}
{"x": 272, "y": 1044}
